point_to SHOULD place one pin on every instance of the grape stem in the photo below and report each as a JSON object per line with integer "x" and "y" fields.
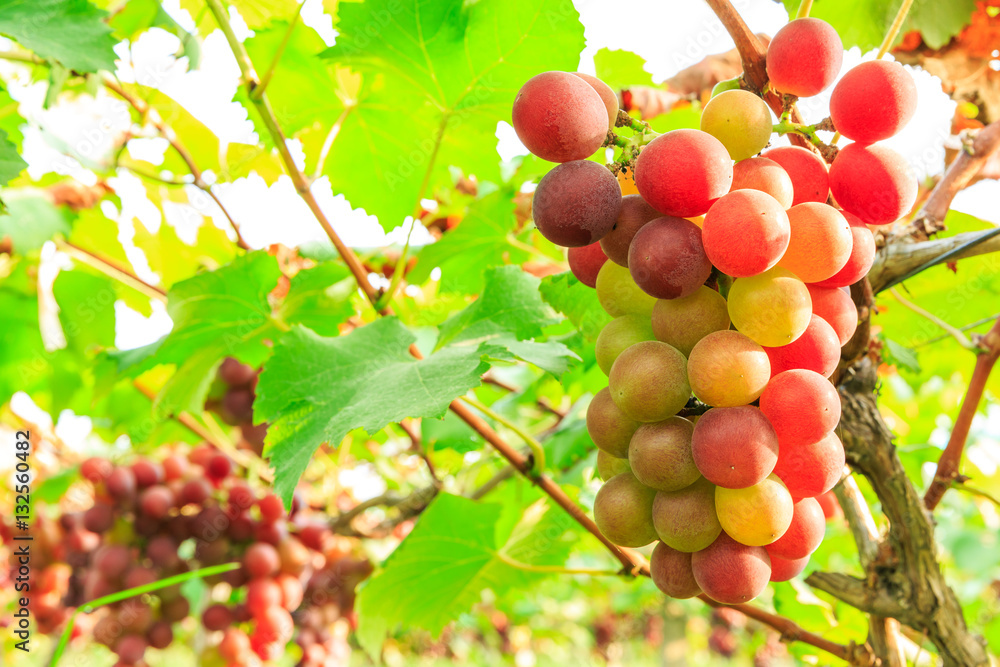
{"x": 537, "y": 451}
{"x": 894, "y": 29}
{"x": 786, "y": 126}
{"x": 804, "y": 8}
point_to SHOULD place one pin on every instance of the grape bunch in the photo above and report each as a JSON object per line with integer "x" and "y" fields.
{"x": 151, "y": 520}
{"x": 725, "y": 266}
{"x": 232, "y": 397}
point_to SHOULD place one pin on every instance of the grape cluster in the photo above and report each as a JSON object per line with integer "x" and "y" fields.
{"x": 729, "y": 496}
{"x": 152, "y": 520}
{"x": 236, "y": 389}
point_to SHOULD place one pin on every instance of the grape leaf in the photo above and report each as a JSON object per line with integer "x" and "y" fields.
{"x": 31, "y": 219}
{"x": 11, "y": 163}
{"x": 71, "y": 32}
{"x": 140, "y": 15}
{"x": 437, "y": 78}
{"x": 480, "y": 240}
{"x": 314, "y": 389}
{"x": 216, "y": 314}
{"x": 621, "y": 69}
{"x": 458, "y": 549}
{"x": 174, "y": 260}
{"x": 319, "y": 298}
{"x": 86, "y": 308}
{"x": 864, "y": 23}
{"x": 576, "y": 301}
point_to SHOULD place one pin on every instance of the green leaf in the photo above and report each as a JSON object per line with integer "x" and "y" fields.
{"x": 31, "y": 219}
{"x": 864, "y": 23}
{"x": 71, "y": 32}
{"x": 576, "y": 301}
{"x": 11, "y": 164}
{"x": 621, "y": 69}
{"x": 174, "y": 260}
{"x": 314, "y": 389}
{"x": 482, "y": 238}
{"x": 52, "y": 489}
{"x": 217, "y": 314}
{"x": 900, "y": 355}
{"x": 449, "y": 433}
{"x": 141, "y": 15}
{"x": 458, "y": 549}
{"x": 319, "y": 298}
{"x": 510, "y": 303}
{"x": 86, "y": 308}
{"x": 437, "y": 78}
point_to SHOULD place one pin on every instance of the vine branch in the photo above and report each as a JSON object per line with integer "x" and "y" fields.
{"x": 951, "y": 458}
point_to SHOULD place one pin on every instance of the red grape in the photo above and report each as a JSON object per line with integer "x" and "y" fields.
{"x": 576, "y": 203}
{"x": 765, "y": 175}
{"x": 745, "y": 233}
{"x": 835, "y": 306}
{"x": 608, "y": 96}
{"x": 820, "y": 242}
{"x": 634, "y": 213}
{"x": 873, "y": 182}
{"x": 585, "y": 262}
{"x": 667, "y": 258}
{"x": 730, "y": 572}
{"x": 734, "y": 447}
{"x": 802, "y": 406}
{"x": 559, "y": 117}
{"x": 873, "y": 101}
{"x": 810, "y": 180}
{"x": 681, "y": 173}
{"x": 817, "y": 349}
{"x": 95, "y": 470}
{"x": 862, "y": 255}
{"x": 804, "y": 57}
{"x": 812, "y": 469}
{"x": 804, "y": 534}
{"x": 261, "y": 560}
{"x": 217, "y": 617}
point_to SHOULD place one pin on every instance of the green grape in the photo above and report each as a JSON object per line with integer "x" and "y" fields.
{"x": 623, "y": 510}
{"x": 740, "y": 120}
{"x": 660, "y": 455}
{"x": 618, "y": 335}
{"x": 618, "y": 293}
{"x": 649, "y": 381}
{"x": 755, "y": 515}
{"x": 686, "y": 520}
{"x": 608, "y": 466}
{"x": 685, "y": 321}
{"x": 609, "y": 427}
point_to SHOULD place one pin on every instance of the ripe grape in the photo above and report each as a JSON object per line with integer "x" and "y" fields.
{"x": 772, "y": 308}
{"x": 147, "y": 473}
{"x": 162, "y": 551}
{"x": 835, "y": 306}
{"x": 219, "y": 467}
{"x": 95, "y": 470}
{"x": 559, "y": 117}
{"x": 235, "y": 645}
{"x": 671, "y": 572}
{"x": 608, "y": 466}
{"x": 195, "y": 491}
{"x": 873, "y": 182}
{"x": 272, "y": 533}
{"x": 755, "y": 515}
{"x": 727, "y": 369}
{"x": 683, "y": 322}
{"x": 746, "y": 232}
{"x": 740, "y": 120}
{"x": 609, "y": 427}
{"x": 873, "y": 101}
{"x": 261, "y": 560}
{"x": 139, "y": 576}
{"x": 99, "y": 518}
{"x": 241, "y": 497}
{"x": 261, "y": 595}
{"x": 623, "y": 511}
{"x": 175, "y": 610}
{"x": 618, "y": 293}
{"x": 294, "y": 556}
{"x": 831, "y": 506}
{"x": 804, "y": 57}
{"x": 686, "y": 520}
{"x": 765, "y": 175}
{"x": 585, "y": 262}
{"x": 618, "y": 335}
{"x": 667, "y": 259}
{"x": 121, "y": 484}
{"x": 802, "y": 405}
{"x": 730, "y": 572}
{"x": 156, "y": 501}
{"x": 291, "y": 591}
{"x": 217, "y": 617}
{"x": 237, "y": 406}
{"x": 820, "y": 242}
{"x": 649, "y": 381}
{"x": 804, "y": 533}
{"x": 160, "y": 635}
{"x": 271, "y": 508}
{"x": 175, "y": 467}
{"x": 810, "y": 179}
{"x": 862, "y": 255}
{"x": 734, "y": 447}
{"x": 681, "y": 173}
{"x": 660, "y": 455}
{"x": 576, "y": 203}
{"x": 634, "y": 213}
{"x": 234, "y": 373}
{"x": 130, "y": 649}
{"x": 111, "y": 560}
{"x": 783, "y": 569}
{"x": 812, "y": 469}
{"x": 817, "y": 349}
{"x": 608, "y": 96}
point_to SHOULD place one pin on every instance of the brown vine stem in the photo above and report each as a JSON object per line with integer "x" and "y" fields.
{"x": 975, "y": 153}
{"x": 263, "y": 106}
{"x": 951, "y": 458}
{"x": 168, "y": 133}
